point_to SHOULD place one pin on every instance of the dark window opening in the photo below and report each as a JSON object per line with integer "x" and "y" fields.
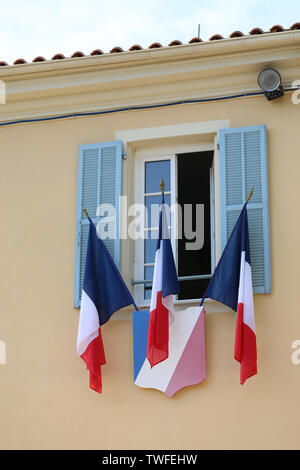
{"x": 193, "y": 170}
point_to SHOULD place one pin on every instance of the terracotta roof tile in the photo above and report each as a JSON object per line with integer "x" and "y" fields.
{"x": 195, "y": 39}
{"x": 97, "y": 52}
{"x": 39, "y": 58}
{"x": 277, "y": 28}
{"x": 116, "y": 50}
{"x": 58, "y": 57}
{"x": 255, "y": 31}
{"x": 20, "y": 61}
{"x": 155, "y": 45}
{"x": 77, "y": 54}
{"x": 136, "y": 47}
{"x": 175, "y": 43}
{"x": 236, "y": 34}
{"x": 215, "y": 37}
{"x": 295, "y": 26}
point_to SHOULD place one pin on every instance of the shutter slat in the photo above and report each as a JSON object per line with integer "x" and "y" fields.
{"x": 83, "y": 243}
{"x": 243, "y": 165}
{"x": 90, "y": 158}
{"x": 234, "y": 193}
{"x": 253, "y": 174}
{"x": 99, "y": 182}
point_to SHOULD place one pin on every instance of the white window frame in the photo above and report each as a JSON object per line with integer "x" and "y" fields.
{"x": 141, "y": 160}
{"x": 139, "y": 198}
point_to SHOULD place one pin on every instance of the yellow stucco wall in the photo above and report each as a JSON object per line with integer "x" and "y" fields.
{"x": 45, "y": 401}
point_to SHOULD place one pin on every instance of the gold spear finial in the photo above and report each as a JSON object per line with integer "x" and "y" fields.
{"x": 162, "y": 185}
{"x": 85, "y": 212}
{"x": 249, "y": 195}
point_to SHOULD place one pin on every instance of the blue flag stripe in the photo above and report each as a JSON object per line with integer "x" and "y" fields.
{"x": 140, "y": 323}
{"x": 102, "y": 281}
{"x": 224, "y": 284}
{"x": 114, "y": 266}
{"x": 170, "y": 284}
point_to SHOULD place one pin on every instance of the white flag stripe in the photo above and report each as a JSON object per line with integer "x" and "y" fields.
{"x": 241, "y": 280}
{"x": 180, "y": 331}
{"x": 157, "y": 279}
{"x": 245, "y": 295}
{"x": 248, "y": 298}
{"x": 168, "y": 303}
{"x": 88, "y": 323}
{"x": 157, "y": 285}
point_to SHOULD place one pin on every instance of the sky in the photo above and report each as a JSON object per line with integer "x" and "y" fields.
{"x": 45, "y": 27}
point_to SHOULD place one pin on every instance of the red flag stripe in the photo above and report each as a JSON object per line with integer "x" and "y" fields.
{"x": 158, "y": 333}
{"x": 245, "y": 337}
{"x": 161, "y": 308}
{"x": 239, "y": 333}
{"x": 94, "y": 358}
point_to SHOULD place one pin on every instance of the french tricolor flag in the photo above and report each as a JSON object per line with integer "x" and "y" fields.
{"x": 231, "y": 285}
{"x": 164, "y": 286}
{"x": 104, "y": 292}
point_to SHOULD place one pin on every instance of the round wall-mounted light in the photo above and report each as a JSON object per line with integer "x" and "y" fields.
{"x": 269, "y": 81}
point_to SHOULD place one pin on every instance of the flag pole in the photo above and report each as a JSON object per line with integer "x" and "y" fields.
{"x": 85, "y": 212}
{"x": 249, "y": 195}
{"x": 162, "y": 186}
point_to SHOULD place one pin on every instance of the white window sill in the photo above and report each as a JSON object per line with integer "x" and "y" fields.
{"x": 211, "y": 306}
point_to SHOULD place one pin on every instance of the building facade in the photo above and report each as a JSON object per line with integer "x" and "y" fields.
{"x": 102, "y": 130}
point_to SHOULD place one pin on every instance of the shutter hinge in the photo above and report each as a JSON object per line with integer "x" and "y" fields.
{"x": 124, "y": 155}
{"x": 218, "y": 145}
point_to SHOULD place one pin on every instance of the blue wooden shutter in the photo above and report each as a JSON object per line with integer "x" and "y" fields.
{"x": 99, "y": 182}
{"x": 243, "y": 164}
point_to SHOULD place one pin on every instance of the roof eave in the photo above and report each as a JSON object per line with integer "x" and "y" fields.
{"x": 163, "y": 54}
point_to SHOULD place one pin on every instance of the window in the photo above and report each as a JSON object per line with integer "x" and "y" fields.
{"x": 195, "y": 187}
{"x": 189, "y": 197}
{"x": 210, "y": 164}
{"x": 153, "y": 172}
